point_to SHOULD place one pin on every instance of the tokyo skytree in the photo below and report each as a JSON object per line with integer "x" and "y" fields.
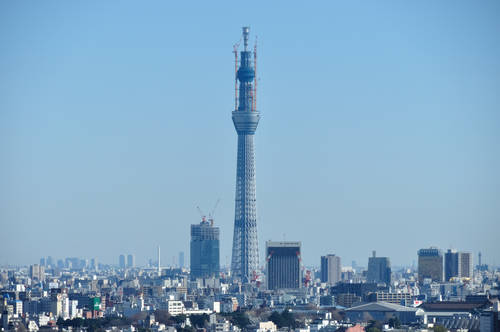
{"x": 245, "y": 256}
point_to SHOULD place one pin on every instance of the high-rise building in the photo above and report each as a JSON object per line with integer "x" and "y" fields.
{"x": 457, "y": 264}
{"x": 121, "y": 261}
{"x": 204, "y": 250}
{"x": 181, "y": 259}
{"x": 245, "y": 255}
{"x": 94, "y": 265}
{"x": 379, "y": 269}
{"x": 466, "y": 265}
{"x": 451, "y": 264}
{"x": 430, "y": 264}
{"x": 131, "y": 261}
{"x": 283, "y": 265}
{"x": 37, "y": 272}
{"x": 331, "y": 269}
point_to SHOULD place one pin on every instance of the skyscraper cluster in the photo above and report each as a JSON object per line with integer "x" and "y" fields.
{"x": 435, "y": 266}
{"x": 128, "y": 262}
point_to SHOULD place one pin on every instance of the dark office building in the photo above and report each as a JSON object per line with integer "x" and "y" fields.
{"x": 379, "y": 269}
{"x": 430, "y": 265}
{"x": 451, "y": 264}
{"x": 283, "y": 265}
{"x": 457, "y": 265}
{"x": 204, "y": 250}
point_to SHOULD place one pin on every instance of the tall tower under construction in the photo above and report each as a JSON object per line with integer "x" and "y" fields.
{"x": 245, "y": 258}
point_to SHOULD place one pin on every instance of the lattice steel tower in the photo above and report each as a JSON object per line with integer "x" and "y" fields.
{"x": 245, "y": 259}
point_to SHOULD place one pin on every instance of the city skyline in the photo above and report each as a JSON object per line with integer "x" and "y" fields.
{"x": 381, "y": 120}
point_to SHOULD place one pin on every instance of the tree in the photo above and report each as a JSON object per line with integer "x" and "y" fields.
{"x": 394, "y": 322}
{"x": 163, "y": 317}
{"x": 285, "y": 319}
{"x": 240, "y": 319}
{"x": 179, "y": 319}
{"x": 440, "y": 328}
{"x": 373, "y": 329}
{"x": 199, "y": 320}
{"x": 277, "y": 319}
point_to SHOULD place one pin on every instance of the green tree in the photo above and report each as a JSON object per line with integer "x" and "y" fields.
{"x": 199, "y": 320}
{"x": 394, "y": 322}
{"x": 60, "y": 322}
{"x": 373, "y": 329}
{"x": 240, "y": 319}
{"x": 284, "y": 319}
{"x": 179, "y": 319}
{"x": 277, "y": 319}
{"x": 440, "y": 328}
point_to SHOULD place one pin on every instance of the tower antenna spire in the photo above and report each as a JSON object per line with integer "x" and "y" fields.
{"x": 246, "y": 32}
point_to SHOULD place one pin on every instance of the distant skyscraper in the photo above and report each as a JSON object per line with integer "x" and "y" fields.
{"x": 430, "y": 264}
{"x": 283, "y": 265}
{"x": 121, "y": 261}
{"x": 204, "y": 250}
{"x": 379, "y": 269}
{"x": 94, "y": 265}
{"x": 130, "y": 261}
{"x": 457, "y": 264}
{"x": 181, "y": 259}
{"x": 331, "y": 269}
{"x": 37, "y": 272}
{"x": 245, "y": 258}
{"x": 451, "y": 264}
{"x": 466, "y": 265}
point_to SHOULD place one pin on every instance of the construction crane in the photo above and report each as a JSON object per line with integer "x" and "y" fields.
{"x": 212, "y": 213}
{"x": 203, "y": 215}
{"x": 235, "y": 51}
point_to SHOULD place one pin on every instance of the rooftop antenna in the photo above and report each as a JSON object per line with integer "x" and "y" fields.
{"x": 159, "y": 264}
{"x": 246, "y": 32}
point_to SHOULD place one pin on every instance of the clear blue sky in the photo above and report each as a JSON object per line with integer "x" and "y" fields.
{"x": 380, "y": 126}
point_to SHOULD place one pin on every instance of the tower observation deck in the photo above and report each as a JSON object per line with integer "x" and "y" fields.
{"x": 245, "y": 255}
